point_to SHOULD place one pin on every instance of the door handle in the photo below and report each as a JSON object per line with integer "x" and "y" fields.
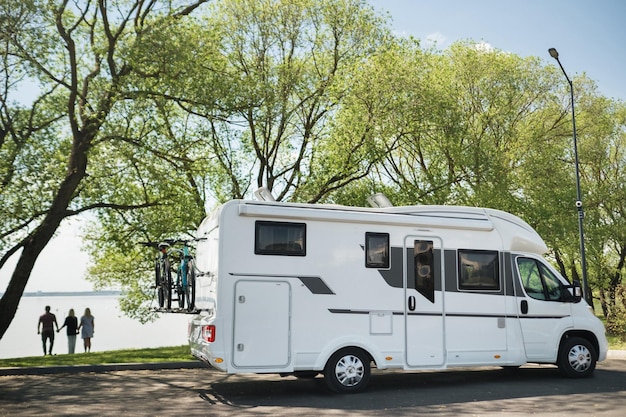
{"x": 524, "y": 306}
{"x": 411, "y": 303}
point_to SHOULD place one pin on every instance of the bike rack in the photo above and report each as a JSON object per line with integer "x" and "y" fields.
{"x": 175, "y": 310}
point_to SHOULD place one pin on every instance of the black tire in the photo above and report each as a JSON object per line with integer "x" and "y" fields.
{"x": 577, "y": 358}
{"x": 159, "y": 283}
{"x": 190, "y": 290}
{"x": 179, "y": 289}
{"x": 167, "y": 283}
{"x": 347, "y": 371}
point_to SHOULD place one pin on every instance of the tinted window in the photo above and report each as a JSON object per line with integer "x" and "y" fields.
{"x": 479, "y": 270}
{"x": 424, "y": 268}
{"x": 538, "y": 280}
{"x": 377, "y": 250}
{"x": 280, "y": 238}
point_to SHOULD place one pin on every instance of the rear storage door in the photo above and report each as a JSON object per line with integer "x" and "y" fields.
{"x": 261, "y": 324}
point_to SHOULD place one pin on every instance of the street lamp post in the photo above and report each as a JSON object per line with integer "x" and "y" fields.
{"x": 579, "y": 203}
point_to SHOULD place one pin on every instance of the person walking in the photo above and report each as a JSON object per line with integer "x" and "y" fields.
{"x": 45, "y": 327}
{"x": 87, "y": 325}
{"x": 71, "y": 322}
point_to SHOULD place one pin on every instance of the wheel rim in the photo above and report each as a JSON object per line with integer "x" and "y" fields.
{"x": 349, "y": 370}
{"x": 191, "y": 287}
{"x": 190, "y": 298}
{"x": 579, "y": 358}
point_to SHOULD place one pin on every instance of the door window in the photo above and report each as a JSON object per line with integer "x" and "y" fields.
{"x": 538, "y": 280}
{"x": 424, "y": 268}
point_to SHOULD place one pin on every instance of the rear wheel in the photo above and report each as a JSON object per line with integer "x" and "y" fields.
{"x": 190, "y": 289}
{"x": 347, "y": 371}
{"x": 577, "y": 358}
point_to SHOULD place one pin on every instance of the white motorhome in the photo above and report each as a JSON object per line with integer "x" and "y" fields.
{"x": 304, "y": 289}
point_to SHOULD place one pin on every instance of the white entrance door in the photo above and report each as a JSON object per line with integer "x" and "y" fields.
{"x": 424, "y": 301}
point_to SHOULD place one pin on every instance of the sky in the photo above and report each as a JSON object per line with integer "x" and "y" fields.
{"x": 588, "y": 34}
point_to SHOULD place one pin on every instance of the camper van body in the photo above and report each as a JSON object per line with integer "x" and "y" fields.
{"x": 305, "y": 288}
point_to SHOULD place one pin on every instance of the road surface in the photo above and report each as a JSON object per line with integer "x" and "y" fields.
{"x": 531, "y": 390}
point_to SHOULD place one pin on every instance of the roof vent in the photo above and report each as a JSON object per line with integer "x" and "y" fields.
{"x": 263, "y": 194}
{"x": 379, "y": 200}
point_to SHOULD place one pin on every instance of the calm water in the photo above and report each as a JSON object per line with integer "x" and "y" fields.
{"x": 113, "y": 329}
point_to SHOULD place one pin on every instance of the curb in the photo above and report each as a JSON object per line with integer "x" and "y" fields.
{"x": 47, "y": 370}
{"x": 616, "y": 354}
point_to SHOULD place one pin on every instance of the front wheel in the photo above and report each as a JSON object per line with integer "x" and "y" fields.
{"x": 577, "y": 358}
{"x": 347, "y": 371}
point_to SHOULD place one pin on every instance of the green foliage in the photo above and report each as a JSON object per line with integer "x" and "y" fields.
{"x": 179, "y": 108}
{"x": 616, "y": 318}
{"x": 283, "y": 75}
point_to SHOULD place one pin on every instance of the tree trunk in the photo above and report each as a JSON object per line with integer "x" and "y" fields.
{"x": 31, "y": 251}
{"x": 603, "y": 304}
{"x": 33, "y": 245}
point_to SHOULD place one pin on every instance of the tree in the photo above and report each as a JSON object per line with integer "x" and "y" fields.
{"x": 79, "y": 54}
{"x": 465, "y": 126}
{"x": 286, "y": 71}
{"x": 248, "y": 100}
{"x": 601, "y": 127}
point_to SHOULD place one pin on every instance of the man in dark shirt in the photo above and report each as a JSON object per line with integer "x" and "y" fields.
{"x": 46, "y": 329}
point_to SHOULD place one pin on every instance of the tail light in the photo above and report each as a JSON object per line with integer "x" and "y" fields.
{"x": 208, "y": 333}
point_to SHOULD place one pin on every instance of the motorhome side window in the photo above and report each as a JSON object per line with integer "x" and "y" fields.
{"x": 280, "y": 238}
{"x": 377, "y": 250}
{"x": 479, "y": 270}
{"x": 538, "y": 281}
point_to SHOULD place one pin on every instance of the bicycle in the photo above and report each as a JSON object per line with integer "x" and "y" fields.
{"x": 185, "y": 276}
{"x": 162, "y": 272}
{"x": 185, "y": 285}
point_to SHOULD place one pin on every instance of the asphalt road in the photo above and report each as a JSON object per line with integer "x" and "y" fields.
{"x": 531, "y": 390}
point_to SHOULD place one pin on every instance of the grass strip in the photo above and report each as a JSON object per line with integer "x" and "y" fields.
{"x": 162, "y": 354}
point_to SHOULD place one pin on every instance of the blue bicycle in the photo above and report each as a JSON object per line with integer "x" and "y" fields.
{"x": 185, "y": 286}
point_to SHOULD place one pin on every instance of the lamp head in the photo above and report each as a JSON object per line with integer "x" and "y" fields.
{"x": 553, "y": 53}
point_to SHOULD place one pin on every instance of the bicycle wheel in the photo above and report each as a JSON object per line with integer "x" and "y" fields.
{"x": 167, "y": 283}
{"x": 190, "y": 289}
{"x": 179, "y": 288}
{"x": 158, "y": 282}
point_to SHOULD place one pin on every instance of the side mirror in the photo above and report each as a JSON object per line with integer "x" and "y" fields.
{"x": 573, "y": 293}
{"x": 578, "y": 292}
